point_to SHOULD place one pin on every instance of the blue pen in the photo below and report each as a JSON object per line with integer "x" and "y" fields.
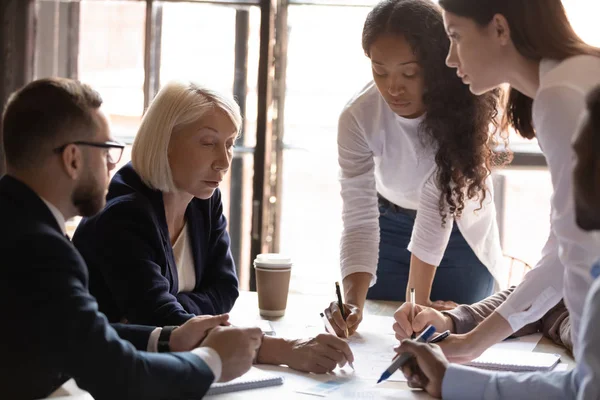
{"x": 404, "y": 357}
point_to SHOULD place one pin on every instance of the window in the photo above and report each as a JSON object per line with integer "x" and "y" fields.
{"x": 125, "y": 49}
{"x": 325, "y": 67}
{"x": 111, "y": 60}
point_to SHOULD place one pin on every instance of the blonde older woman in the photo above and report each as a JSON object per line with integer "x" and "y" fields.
{"x": 158, "y": 253}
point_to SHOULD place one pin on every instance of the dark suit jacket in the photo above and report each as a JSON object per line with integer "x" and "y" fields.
{"x": 51, "y": 328}
{"x": 128, "y": 250}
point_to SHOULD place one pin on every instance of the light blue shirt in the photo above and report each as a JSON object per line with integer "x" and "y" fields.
{"x": 581, "y": 383}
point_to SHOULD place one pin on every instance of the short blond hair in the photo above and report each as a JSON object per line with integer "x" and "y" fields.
{"x": 176, "y": 104}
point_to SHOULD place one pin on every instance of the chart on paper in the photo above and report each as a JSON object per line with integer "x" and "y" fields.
{"x": 359, "y": 389}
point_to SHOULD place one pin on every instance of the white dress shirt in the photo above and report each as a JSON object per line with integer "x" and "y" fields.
{"x": 581, "y": 383}
{"x": 563, "y": 270}
{"x": 381, "y": 152}
{"x": 60, "y": 219}
{"x": 207, "y": 354}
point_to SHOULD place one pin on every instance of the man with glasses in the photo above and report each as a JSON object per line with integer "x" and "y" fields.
{"x": 114, "y": 150}
{"x": 89, "y": 200}
{"x": 59, "y": 154}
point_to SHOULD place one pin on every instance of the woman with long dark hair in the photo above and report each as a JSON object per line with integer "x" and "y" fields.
{"x": 415, "y": 156}
{"x": 531, "y": 46}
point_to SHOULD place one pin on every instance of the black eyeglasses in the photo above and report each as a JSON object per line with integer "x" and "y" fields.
{"x": 115, "y": 149}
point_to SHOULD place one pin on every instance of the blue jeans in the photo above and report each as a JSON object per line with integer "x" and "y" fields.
{"x": 460, "y": 277}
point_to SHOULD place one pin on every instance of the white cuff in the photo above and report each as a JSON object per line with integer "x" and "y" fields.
{"x": 212, "y": 359}
{"x": 359, "y": 268}
{"x": 153, "y": 341}
{"x": 464, "y": 383}
{"x": 527, "y": 313}
{"x": 426, "y": 255}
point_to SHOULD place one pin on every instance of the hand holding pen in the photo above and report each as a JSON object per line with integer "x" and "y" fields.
{"x": 405, "y": 324}
{"x": 403, "y": 358}
{"x": 426, "y": 366}
{"x": 344, "y": 317}
{"x": 338, "y": 293}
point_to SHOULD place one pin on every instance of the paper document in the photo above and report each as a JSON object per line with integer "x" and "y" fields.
{"x": 359, "y": 389}
{"x": 253, "y": 379}
{"x": 523, "y": 343}
{"x": 373, "y": 353}
{"x": 373, "y": 348}
{"x": 515, "y": 360}
{"x": 324, "y": 389}
{"x": 263, "y": 324}
{"x": 561, "y": 367}
{"x": 513, "y": 354}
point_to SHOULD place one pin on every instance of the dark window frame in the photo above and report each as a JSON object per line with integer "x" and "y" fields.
{"x": 16, "y": 69}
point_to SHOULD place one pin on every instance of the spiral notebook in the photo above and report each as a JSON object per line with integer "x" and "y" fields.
{"x": 253, "y": 379}
{"x": 514, "y": 360}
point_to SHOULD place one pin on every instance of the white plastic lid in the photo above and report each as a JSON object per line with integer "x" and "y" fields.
{"x": 272, "y": 260}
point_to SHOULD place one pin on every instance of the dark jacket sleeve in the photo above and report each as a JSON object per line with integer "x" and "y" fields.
{"x": 137, "y": 335}
{"x": 72, "y": 335}
{"x": 123, "y": 243}
{"x": 217, "y": 292}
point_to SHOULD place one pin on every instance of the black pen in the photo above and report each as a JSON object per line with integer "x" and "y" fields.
{"x": 440, "y": 337}
{"x": 341, "y": 304}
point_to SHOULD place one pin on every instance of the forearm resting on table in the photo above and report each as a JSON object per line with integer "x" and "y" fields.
{"x": 490, "y": 331}
{"x": 420, "y": 278}
{"x": 356, "y": 286}
{"x": 274, "y": 351}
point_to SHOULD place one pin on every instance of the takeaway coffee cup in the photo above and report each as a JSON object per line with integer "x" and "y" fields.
{"x": 273, "y": 273}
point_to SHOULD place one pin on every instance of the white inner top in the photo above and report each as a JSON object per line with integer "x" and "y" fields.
{"x": 184, "y": 259}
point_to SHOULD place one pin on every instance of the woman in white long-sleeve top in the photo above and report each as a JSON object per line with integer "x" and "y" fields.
{"x": 531, "y": 46}
{"x": 457, "y": 382}
{"x": 415, "y": 156}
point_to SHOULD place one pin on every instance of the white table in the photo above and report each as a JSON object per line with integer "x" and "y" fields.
{"x": 301, "y": 308}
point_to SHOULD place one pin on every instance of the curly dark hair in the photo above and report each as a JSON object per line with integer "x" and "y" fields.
{"x": 457, "y": 122}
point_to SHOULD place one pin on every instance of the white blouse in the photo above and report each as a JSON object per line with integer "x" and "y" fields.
{"x": 564, "y": 269}
{"x": 184, "y": 260}
{"x": 381, "y": 152}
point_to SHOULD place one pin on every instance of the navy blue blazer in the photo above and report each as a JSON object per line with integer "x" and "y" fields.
{"x": 51, "y": 327}
{"x": 128, "y": 250}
